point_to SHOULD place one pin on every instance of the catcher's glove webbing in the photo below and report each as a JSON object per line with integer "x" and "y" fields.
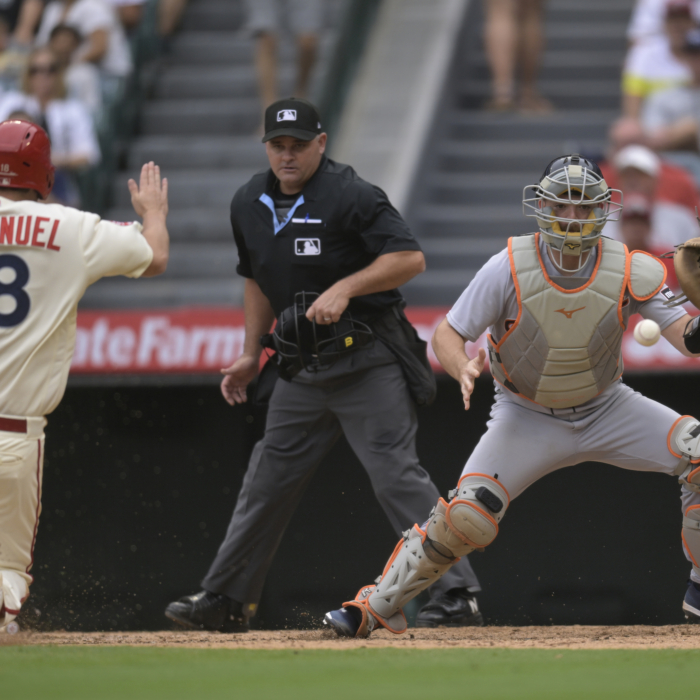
{"x": 686, "y": 261}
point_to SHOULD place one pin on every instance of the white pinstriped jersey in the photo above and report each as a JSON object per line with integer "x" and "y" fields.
{"x": 49, "y": 255}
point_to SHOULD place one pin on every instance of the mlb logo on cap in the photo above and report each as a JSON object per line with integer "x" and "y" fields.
{"x": 287, "y": 115}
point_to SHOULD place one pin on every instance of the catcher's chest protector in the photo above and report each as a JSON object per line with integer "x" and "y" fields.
{"x": 564, "y": 347}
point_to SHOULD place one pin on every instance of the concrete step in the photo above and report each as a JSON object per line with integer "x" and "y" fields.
{"x": 563, "y": 125}
{"x": 203, "y": 260}
{"x": 187, "y": 82}
{"x": 190, "y": 224}
{"x": 479, "y": 188}
{"x": 587, "y": 36}
{"x": 438, "y": 287}
{"x": 192, "y": 188}
{"x": 587, "y": 13}
{"x": 564, "y": 94}
{"x": 199, "y": 152}
{"x": 562, "y": 64}
{"x": 201, "y": 48}
{"x": 226, "y": 116}
{"x": 471, "y": 221}
{"x": 159, "y": 292}
{"x": 449, "y": 253}
{"x": 217, "y": 47}
{"x": 527, "y": 157}
{"x": 214, "y": 15}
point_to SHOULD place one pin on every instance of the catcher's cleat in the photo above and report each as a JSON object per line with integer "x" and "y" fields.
{"x": 691, "y": 603}
{"x": 456, "y": 608}
{"x": 344, "y": 622}
{"x": 208, "y": 611}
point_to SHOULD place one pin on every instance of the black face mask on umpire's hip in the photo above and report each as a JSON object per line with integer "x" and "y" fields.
{"x": 302, "y": 344}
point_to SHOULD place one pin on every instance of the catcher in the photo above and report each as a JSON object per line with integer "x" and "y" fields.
{"x": 556, "y": 304}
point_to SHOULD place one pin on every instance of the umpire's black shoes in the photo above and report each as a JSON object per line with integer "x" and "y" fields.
{"x": 691, "y": 602}
{"x": 208, "y": 611}
{"x": 456, "y": 608}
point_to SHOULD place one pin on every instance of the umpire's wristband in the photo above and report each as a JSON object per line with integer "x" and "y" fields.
{"x": 691, "y": 335}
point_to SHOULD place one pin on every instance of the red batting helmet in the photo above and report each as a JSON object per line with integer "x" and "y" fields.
{"x": 25, "y": 157}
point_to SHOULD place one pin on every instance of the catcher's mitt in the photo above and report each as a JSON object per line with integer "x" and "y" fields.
{"x": 686, "y": 261}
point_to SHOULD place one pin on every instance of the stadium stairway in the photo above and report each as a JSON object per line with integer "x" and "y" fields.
{"x": 467, "y": 194}
{"x": 200, "y": 127}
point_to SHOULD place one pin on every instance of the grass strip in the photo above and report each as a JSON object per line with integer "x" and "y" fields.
{"x": 107, "y": 673}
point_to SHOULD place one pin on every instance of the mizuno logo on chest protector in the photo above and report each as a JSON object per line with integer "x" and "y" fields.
{"x": 568, "y": 314}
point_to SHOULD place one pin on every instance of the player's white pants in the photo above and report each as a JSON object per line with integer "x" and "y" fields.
{"x": 21, "y": 469}
{"x": 625, "y": 429}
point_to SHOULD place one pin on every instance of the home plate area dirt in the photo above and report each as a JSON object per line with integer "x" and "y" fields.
{"x": 555, "y": 637}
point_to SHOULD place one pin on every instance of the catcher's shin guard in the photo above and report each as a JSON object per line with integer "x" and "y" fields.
{"x": 468, "y": 522}
{"x": 691, "y": 535}
{"x": 684, "y": 443}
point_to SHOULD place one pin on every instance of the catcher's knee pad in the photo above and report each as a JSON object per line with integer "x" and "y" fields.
{"x": 473, "y": 514}
{"x": 684, "y": 443}
{"x": 13, "y": 592}
{"x": 691, "y": 535}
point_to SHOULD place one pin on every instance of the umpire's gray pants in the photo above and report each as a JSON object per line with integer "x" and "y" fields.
{"x": 373, "y": 408}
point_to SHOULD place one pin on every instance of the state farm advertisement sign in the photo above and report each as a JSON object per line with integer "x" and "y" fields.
{"x": 203, "y": 340}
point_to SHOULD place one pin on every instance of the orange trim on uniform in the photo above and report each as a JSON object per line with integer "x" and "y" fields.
{"x": 486, "y": 476}
{"x": 362, "y": 629}
{"x": 625, "y": 285}
{"x": 668, "y": 441}
{"x": 656, "y": 291}
{"x": 461, "y": 535}
{"x": 687, "y": 549}
{"x": 693, "y": 473}
{"x": 556, "y": 286}
{"x": 514, "y": 275}
{"x": 384, "y": 623}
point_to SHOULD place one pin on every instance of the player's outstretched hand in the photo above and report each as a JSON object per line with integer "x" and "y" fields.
{"x": 474, "y": 368}
{"x": 150, "y": 196}
{"x": 237, "y": 377}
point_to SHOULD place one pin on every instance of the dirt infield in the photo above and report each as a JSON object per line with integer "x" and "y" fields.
{"x": 573, "y": 637}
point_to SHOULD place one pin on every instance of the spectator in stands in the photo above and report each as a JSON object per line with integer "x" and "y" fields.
{"x": 656, "y": 62}
{"x": 639, "y": 229}
{"x": 648, "y": 222}
{"x": 634, "y": 168}
{"x": 265, "y": 20}
{"x": 169, "y": 15}
{"x": 130, "y": 12}
{"x": 23, "y": 18}
{"x": 104, "y": 41}
{"x": 74, "y": 144}
{"x": 513, "y": 38}
{"x": 648, "y": 19}
{"x": 12, "y": 61}
{"x": 82, "y": 79}
{"x": 671, "y": 118}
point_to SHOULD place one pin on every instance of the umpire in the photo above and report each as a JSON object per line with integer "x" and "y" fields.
{"x": 311, "y": 225}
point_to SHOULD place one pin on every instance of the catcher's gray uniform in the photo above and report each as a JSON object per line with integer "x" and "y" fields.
{"x": 525, "y": 441}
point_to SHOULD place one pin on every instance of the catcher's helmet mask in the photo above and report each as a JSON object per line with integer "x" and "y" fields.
{"x": 303, "y": 344}
{"x": 572, "y": 180}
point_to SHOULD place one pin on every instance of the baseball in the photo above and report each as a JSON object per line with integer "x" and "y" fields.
{"x": 647, "y": 332}
{"x": 12, "y": 628}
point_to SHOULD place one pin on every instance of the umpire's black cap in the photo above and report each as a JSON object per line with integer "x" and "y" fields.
{"x": 292, "y": 117}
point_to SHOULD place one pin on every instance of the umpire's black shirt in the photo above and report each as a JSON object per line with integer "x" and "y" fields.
{"x": 338, "y": 225}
